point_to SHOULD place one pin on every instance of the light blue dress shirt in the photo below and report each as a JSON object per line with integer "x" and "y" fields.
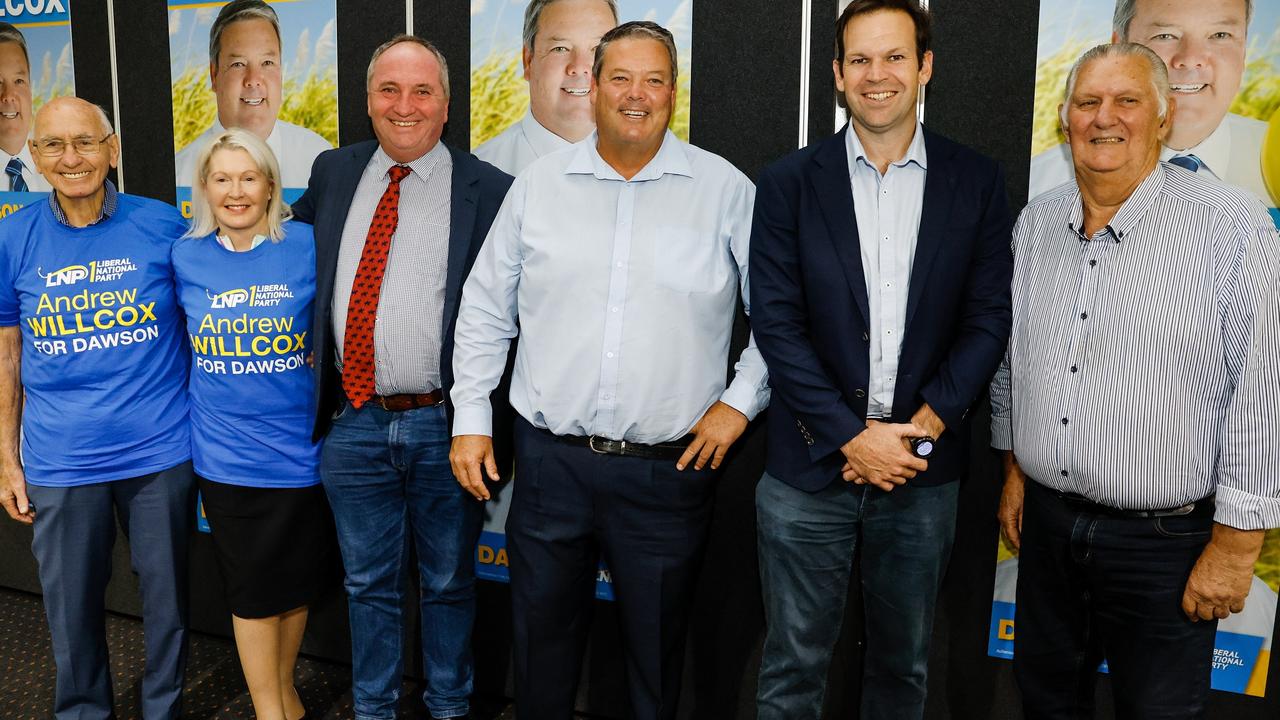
{"x": 887, "y": 208}
{"x": 624, "y": 291}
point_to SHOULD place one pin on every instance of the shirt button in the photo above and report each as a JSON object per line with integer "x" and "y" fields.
{"x": 1064, "y": 473}
{"x": 613, "y": 309}
{"x": 1073, "y": 368}
{"x": 619, "y": 264}
{"x": 1092, "y": 263}
{"x": 865, "y": 337}
{"x": 1064, "y": 421}
{"x": 1084, "y": 316}
{"x": 608, "y": 355}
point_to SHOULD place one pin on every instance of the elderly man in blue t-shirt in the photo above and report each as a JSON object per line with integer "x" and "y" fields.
{"x": 90, "y": 330}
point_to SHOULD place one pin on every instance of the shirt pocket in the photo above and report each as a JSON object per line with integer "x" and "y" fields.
{"x": 688, "y": 261}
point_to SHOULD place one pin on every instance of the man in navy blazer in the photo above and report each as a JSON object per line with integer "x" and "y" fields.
{"x": 385, "y": 464}
{"x": 880, "y": 271}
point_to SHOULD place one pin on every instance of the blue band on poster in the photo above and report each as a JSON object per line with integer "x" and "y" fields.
{"x": 30, "y": 13}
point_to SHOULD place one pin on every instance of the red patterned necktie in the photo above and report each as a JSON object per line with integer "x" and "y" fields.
{"x": 362, "y": 310}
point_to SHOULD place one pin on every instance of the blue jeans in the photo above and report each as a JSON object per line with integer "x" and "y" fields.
{"x": 387, "y": 474}
{"x": 1092, "y": 586}
{"x": 75, "y": 529}
{"x": 806, "y": 544}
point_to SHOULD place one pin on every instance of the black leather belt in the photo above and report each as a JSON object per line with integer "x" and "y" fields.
{"x": 1198, "y": 509}
{"x": 660, "y": 451}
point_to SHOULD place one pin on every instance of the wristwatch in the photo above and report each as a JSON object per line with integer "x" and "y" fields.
{"x": 922, "y": 447}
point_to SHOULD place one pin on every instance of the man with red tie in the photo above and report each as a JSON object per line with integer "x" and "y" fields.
{"x": 398, "y": 222}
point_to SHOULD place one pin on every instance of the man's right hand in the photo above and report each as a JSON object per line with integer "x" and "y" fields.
{"x": 1012, "y": 498}
{"x": 13, "y": 496}
{"x": 879, "y": 455}
{"x": 467, "y": 455}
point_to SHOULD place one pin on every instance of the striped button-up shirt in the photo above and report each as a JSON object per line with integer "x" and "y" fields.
{"x": 1141, "y": 372}
{"x": 409, "y": 325}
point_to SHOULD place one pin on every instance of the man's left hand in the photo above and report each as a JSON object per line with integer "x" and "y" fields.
{"x": 1221, "y": 578}
{"x": 720, "y": 427}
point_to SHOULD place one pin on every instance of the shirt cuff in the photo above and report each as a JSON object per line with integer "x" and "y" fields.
{"x": 473, "y": 420}
{"x": 1001, "y": 433}
{"x": 745, "y": 399}
{"x": 1246, "y": 511}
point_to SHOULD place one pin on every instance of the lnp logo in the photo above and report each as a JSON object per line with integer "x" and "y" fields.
{"x": 227, "y": 299}
{"x": 68, "y": 275}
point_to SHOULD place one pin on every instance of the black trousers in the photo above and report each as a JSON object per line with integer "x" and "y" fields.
{"x": 650, "y": 522}
{"x": 1094, "y": 586}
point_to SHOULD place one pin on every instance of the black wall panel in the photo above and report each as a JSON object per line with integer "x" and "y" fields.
{"x": 746, "y": 100}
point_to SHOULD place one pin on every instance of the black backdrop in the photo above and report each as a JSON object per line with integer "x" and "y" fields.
{"x": 746, "y": 100}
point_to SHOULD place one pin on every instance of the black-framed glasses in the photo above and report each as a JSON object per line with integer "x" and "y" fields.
{"x": 83, "y": 145}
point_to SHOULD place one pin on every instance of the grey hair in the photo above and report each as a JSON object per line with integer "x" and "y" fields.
{"x": 533, "y": 15}
{"x": 203, "y": 221}
{"x": 642, "y": 29}
{"x": 9, "y": 33}
{"x": 1127, "y": 9}
{"x": 405, "y": 38}
{"x": 1159, "y": 73}
{"x": 236, "y": 11}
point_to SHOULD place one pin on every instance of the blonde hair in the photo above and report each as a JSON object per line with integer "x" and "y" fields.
{"x": 203, "y": 221}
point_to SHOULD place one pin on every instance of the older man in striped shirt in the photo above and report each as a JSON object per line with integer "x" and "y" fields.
{"x": 1133, "y": 403}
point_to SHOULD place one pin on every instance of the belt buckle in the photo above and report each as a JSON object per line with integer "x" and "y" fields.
{"x": 591, "y": 443}
{"x": 1178, "y": 512}
{"x": 382, "y": 402}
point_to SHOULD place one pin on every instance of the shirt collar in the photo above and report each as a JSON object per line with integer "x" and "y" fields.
{"x": 672, "y": 158}
{"x": 1131, "y": 211}
{"x": 542, "y": 140}
{"x": 422, "y": 167}
{"x": 225, "y": 242}
{"x": 915, "y": 151}
{"x": 1214, "y": 151}
{"x": 108, "y": 205}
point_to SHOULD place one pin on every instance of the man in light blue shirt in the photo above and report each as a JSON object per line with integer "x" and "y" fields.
{"x": 619, "y": 263}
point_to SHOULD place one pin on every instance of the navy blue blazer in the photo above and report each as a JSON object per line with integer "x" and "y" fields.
{"x": 809, "y": 306}
{"x": 477, "y": 192}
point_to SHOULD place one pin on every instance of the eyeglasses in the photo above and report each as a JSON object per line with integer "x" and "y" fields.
{"x": 55, "y": 147}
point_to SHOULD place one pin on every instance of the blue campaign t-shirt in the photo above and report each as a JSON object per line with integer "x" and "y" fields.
{"x": 103, "y": 362}
{"x": 249, "y": 322}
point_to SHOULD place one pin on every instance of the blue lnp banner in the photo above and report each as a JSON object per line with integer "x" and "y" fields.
{"x": 491, "y": 564}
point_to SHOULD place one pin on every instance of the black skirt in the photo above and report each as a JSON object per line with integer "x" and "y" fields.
{"x": 270, "y": 543}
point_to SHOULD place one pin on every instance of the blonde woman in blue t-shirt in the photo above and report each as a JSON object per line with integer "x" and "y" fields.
{"x": 246, "y": 278}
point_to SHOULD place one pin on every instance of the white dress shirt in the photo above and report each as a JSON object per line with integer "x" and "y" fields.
{"x": 35, "y": 181}
{"x": 512, "y": 150}
{"x": 295, "y": 148}
{"x": 887, "y": 208}
{"x": 624, "y": 292}
{"x": 1232, "y": 153}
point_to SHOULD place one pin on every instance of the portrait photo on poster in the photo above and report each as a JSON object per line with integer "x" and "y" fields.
{"x": 35, "y": 67}
{"x": 1223, "y": 58}
{"x": 267, "y": 67}
{"x": 531, "y": 71}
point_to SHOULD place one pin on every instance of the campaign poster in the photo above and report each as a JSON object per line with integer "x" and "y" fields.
{"x": 1227, "y": 93}
{"x": 35, "y": 66}
{"x": 1226, "y": 85}
{"x": 274, "y": 74}
{"x": 540, "y": 93}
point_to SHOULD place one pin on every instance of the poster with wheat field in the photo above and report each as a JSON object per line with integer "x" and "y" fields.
{"x": 273, "y": 73}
